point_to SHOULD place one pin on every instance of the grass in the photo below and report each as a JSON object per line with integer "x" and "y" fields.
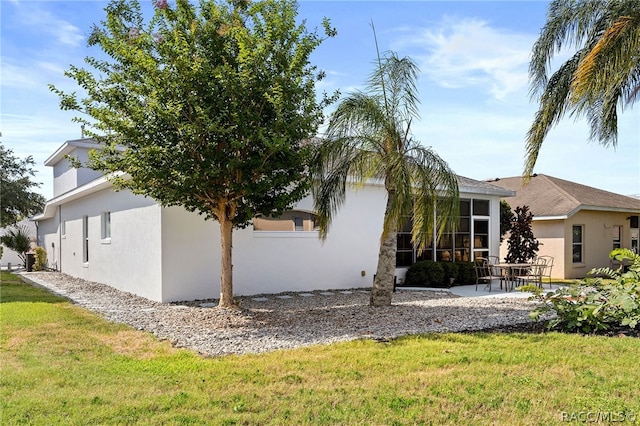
{"x": 62, "y": 364}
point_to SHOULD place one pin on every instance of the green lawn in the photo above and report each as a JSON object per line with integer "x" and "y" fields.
{"x": 62, "y": 364}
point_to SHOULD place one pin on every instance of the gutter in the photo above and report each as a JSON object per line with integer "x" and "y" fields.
{"x": 79, "y": 192}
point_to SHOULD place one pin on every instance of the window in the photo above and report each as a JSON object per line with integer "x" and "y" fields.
{"x": 63, "y": 229}
{"x": 577, "y": 243}
{"x": 480, "y": 238}
{"x": 294, "y": 220}
{"x": 481, "y": 207}
{"x": 106, "y": 225}
{"x": 451, "y": 247}
{"x": 617, "y": 232}
{"x": 85, "y": 239}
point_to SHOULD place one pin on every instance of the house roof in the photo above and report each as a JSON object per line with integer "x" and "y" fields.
{"x": 549, "y": 197}
{"x": 68, "y": 147}
{"x": 481, "y": 187}
{"x": 82, "y": 191}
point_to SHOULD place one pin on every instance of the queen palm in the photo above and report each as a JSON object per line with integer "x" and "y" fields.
{"x": 369, "y": 137}
{"x": 602, "y": 75}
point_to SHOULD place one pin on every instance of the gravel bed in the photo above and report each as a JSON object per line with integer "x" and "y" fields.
{"x": 288, "y": 320}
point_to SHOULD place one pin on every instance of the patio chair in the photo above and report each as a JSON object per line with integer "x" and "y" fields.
{"x": 485, "y": 271}
{"x": 532, "y": 274}
{"x": 497, "y": 272}
{"x": 546, "y": 272}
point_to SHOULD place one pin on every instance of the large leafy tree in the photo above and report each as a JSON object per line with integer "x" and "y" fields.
{"x": 204, "y": 106}
{"x": 17, "y": 199}
{"x": 602, "y": 76}
{"x": 369, "y": 137}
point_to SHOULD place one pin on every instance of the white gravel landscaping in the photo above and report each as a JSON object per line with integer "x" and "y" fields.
{"x": 270, "y": 322}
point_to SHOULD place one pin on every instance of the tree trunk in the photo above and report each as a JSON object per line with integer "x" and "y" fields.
{"x": 226, "y": 264}
{"x": 383, "y": 283}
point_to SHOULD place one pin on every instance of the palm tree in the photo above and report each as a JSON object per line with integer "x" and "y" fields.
{"x": 369, "y": 137}
{"x": 604, "y": 72}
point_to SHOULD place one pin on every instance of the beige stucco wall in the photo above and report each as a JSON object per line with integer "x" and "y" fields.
{"x": 552, "y": 237}
{"x": 555, "y": 237}
{"x": 598, "y": 239}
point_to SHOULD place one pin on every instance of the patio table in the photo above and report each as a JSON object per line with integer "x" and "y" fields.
{"x": 512, "y": 271}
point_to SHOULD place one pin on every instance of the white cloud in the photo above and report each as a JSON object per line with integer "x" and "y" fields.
{"x": 467, "y": 52}
{"x": 61, "y": 31}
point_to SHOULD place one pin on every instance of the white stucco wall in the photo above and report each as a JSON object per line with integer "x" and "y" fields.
{"x": 272, "y": 262}
{"x": 66, "y": 177}
{"x": 130, "y": 260}
{"x": 190, "y": 256}
{"x": 280, "y": 261}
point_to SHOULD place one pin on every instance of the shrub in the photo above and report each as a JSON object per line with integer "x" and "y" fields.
{"x": 450, "y": 272}
{"x": 426, "y": 273}
{"x": 522, "y": 245}
{"x": 595, "y": 304}
{"x": 466, "y": 273}
{"x": 41, "y": 259}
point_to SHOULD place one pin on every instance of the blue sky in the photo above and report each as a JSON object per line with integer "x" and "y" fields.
{"x": 473, "y": 86}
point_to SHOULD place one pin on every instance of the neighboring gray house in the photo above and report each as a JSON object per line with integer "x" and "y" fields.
{"x": 169, "y": 254}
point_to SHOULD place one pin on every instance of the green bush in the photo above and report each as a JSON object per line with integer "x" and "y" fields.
{"x": 426, "y": 273}
{"x": 596, "y": 304}
{"x": 466, "y": 273}
{"x": 450, "y": 272}
{"x": 41, "y": 259}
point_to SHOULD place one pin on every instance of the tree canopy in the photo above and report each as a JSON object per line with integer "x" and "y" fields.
{"x": 206, "y": 107}
{"x": 17, "y": 198}
{"x": 601, "y": 77}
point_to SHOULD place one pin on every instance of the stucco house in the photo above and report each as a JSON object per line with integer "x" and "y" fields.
{"x": 576, "y": 224}
{"x": 168, "y": 254}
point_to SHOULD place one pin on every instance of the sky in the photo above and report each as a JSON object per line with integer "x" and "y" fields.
{"x": 473, "y": 85}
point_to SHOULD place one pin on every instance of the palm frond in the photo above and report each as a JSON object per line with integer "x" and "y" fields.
{"x": 604, "y": 73}
{"x": 434, "y": 189}
{"x": 395, "y": 81}
{"x": 553, "y": 105}
{"x": 568, "y": 23}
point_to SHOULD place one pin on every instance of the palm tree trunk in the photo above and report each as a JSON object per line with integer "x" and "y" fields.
{"x": 383, "y": 282}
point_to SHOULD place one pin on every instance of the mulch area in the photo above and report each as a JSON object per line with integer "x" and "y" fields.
{"x": 541, "y": 327}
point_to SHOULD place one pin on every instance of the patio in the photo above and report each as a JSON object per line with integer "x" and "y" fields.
{"x": 483, "y": 290}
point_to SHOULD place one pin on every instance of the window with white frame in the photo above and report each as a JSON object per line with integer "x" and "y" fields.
{"x": 85, "y": 239}
{"x": 471, "y": 238}
{"x": 63, "y": 229}
{"x": 293, "y": 220}
{"x": 106, "y": 225}
{"x": 577, "y": 244}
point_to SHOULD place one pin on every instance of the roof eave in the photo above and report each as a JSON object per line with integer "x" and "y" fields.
{"x": 588, "y": 208}
{"x": 69, "y": 146}
{"x": 79, "y": 192}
